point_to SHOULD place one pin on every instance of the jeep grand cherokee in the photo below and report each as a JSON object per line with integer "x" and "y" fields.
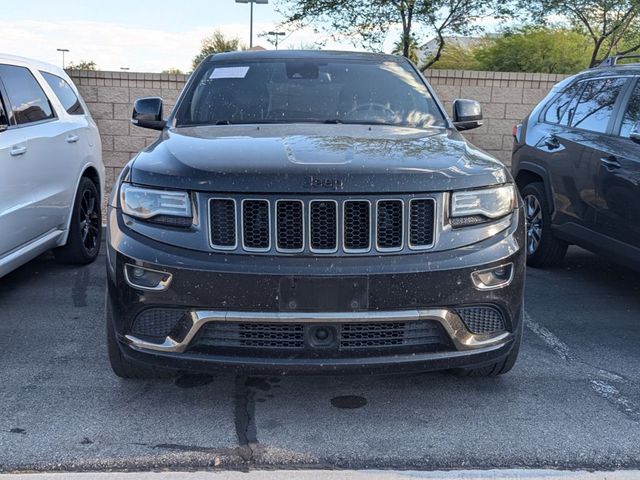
{"x": 313, "y": 212}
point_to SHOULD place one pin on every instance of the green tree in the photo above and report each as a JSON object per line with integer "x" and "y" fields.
{"x": 458, "y": 57}
{"x": 217, "y": 43}
{"x": 413, "y": 52}
{"x": 173, "y": 71}
{"x": 613, "y": 26}
{"x": 83, "y": 65}
{"x": 536, "y": 49}
{"x": 366, "y": 22}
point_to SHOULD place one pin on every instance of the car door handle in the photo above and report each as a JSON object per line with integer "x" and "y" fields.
{"x": 552, "y": 143}
{"x": 73, "y": 138}
{"x": 610, "y": 162}
{"x": 17, "y": 151}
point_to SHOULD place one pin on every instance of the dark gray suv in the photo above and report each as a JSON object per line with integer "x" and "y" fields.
{"x": 313, "y": 212}
{"x": 576, "y": 160}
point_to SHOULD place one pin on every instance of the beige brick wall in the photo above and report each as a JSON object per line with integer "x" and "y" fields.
{"x": 506, "y": 98}
{"x": 110, "y": 96}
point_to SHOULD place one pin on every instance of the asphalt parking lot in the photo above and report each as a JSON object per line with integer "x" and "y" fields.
{"x": 572, "y": 401}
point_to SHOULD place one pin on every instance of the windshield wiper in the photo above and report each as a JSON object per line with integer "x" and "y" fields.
{"x": 371, "y": 122}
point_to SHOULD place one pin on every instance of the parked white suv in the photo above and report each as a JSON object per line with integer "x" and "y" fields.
{"x": 51, "y": 171}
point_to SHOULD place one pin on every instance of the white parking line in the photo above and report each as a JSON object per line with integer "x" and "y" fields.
{"x": 613, "y": 396}
{"x": 340, "y": 475}
{"x": 600, "y": 379}
{"x": 557, "y": 345}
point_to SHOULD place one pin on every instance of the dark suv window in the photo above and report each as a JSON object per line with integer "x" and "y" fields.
{"x": 28, "y": 101}
{"x": 321, "y": 91}
{"x": 632, "y": 114}
{"x": 595, "y": 106}
{"x": 65, "y": 93}
{"x": 558, "y": 111}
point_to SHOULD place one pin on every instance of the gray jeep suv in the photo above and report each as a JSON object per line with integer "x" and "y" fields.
{"x": 313, "y": 212}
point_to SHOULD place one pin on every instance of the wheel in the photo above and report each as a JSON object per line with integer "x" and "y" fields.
{"x": 85, "y": 231}
{"x": 543, "y": 249}
{"x": 121, "y": 366}
{"x": 498, "y": 368}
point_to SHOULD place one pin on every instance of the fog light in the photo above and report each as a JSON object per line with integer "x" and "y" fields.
{"x": 146, "y": 278}
{"x": 492, "y": 278}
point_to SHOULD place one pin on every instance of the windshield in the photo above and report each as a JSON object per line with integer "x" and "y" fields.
{"x": 319, "y": 91}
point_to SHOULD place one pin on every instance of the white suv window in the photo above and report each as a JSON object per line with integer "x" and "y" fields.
{"x": 65, "y": 93}
{"x": 4, "y": 119}
{"x": 28, "y": 102}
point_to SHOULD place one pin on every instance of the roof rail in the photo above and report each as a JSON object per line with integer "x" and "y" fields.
{"x": 613, "y": 61}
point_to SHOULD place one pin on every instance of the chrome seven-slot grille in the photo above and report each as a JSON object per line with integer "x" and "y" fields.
{"x": 321, "y": 226}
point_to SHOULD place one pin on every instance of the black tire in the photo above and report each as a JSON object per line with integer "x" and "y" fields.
{"x": 85, "y": 231}
{"x": 121, "y": 366}
{"x": 499, "y": 368}
{"x": 549, "y": 250}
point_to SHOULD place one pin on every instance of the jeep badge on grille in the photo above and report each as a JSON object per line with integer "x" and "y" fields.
{"x": 334, "y": 183}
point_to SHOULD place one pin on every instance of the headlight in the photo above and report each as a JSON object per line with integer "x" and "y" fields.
{"x": 147, "y": 203}
{"x": 471, "y": 207}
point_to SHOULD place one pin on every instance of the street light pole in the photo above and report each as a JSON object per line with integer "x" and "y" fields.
{"x": 277, "y": 35}
{"x": 262, "y": 2}
{"x": 63, "y": 50}
{"x": 251, "y": 27}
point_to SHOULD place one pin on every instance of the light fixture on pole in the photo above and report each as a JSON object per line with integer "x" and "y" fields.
{"x": 277, "y": 36}
{"x": 63, "y": 50}
{"x": 262, "y": 2}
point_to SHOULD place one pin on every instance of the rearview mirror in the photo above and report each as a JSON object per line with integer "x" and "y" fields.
{"x": 635, "y": 133}
{"x": 147, "y": 113}
{"x": 467, "y": 114}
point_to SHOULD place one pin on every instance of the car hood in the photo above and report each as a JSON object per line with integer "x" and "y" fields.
{"x": 315, "y": 158}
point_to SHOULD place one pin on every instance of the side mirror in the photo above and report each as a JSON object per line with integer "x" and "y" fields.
{"x": 467, "y": 114}
{"x": 635, "y": 133}
{"x": 147, "y": 113}
{"x": 3, "y": 127}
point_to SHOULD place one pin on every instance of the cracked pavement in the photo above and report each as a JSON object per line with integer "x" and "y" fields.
{"x": 571, "y": 402}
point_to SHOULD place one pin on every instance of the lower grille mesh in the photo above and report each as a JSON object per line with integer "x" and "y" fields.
{"x": 482, "y": 319}
{"x": 291, "y": 337}
{"x": 156, "y": 322}
{"x": 371, "y": 335}
{"x": 252, "y": 335}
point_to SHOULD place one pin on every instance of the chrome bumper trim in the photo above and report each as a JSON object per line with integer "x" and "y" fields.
{"x": 452, "y": 323}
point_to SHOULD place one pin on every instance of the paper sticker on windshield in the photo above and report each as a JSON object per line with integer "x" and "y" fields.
{"x": 229, "y": 72}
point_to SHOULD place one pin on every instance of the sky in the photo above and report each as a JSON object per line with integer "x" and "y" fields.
{"x": 141, "y": 35}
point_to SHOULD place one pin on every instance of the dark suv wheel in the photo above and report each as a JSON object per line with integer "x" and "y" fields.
{"x": 85, "y": 231}
{"x": 543, "y": 249}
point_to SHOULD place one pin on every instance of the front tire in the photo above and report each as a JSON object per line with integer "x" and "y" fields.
{"x": 543, "y": 248}
{"x": 498, "y": 368}
{"x": 85, "y": 231}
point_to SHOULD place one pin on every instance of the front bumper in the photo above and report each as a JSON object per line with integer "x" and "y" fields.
{"x": 213, "y": 288}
